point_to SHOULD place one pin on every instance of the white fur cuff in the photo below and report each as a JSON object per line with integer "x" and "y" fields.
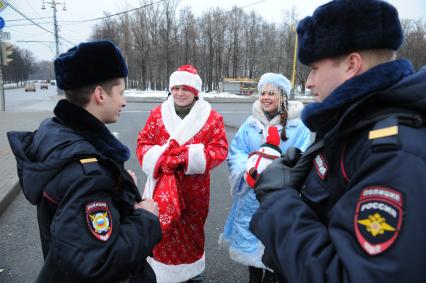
{"x": 151, "y": 157}
{"x": 196, "y": 159}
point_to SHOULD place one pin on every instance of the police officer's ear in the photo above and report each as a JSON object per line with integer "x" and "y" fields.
{"x": 98, "y": 95}
{"x": 354, "y": 65}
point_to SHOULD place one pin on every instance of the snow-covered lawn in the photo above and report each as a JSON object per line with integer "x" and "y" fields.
{"x": 209, "y": 95}
{"x": 162, "y": 94}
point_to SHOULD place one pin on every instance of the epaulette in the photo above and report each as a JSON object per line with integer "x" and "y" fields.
{"x": 90, "y": 166}
{"x": 384, "y": 135}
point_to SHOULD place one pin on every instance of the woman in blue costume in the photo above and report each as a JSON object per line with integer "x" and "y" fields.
{"x": 272, "y": 109}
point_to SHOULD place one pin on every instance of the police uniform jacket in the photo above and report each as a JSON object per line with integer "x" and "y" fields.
{"x": 358, "y": 215}
{"x": 72, "y": 169}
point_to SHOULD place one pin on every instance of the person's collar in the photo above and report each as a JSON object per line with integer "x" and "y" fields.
{"x": 269, "y": 115}
{"x": 182, "y": 111}
{"x": 259, "y": 114}
{"x": 319, "y": 117}
{"x": 87, "y": 125}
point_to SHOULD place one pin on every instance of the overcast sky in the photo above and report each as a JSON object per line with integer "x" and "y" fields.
{"x": 77, "y": 10}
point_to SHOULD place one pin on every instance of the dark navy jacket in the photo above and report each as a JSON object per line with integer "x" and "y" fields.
{"x": 359, "y": 215}
{"x": 72, "y": 169}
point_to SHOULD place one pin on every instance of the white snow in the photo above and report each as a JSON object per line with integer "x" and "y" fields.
{"x": 214, "y": 94}
{"x": 163, "y": 94}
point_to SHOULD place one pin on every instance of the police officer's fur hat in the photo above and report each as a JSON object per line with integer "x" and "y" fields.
{"x": 89, "y": 63}
{"x": 343, "y": 26}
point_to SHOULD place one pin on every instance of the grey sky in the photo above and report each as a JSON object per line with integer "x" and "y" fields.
{"x": 271, "y": 10}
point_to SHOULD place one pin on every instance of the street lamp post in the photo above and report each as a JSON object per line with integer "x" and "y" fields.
{"x": 293, "y": 75}
{"x": 53, "y": 5}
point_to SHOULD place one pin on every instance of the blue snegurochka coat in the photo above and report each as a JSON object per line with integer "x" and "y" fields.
{"x": 244, "y": 247}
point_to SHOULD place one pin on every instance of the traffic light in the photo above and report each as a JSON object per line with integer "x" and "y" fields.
{"x": 6, "y": 51}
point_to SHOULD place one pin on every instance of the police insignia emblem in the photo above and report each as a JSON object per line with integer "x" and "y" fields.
{"x": 378, "y": 218}
{"x": 321, "y": 166}
{"x": 98, "y": 218}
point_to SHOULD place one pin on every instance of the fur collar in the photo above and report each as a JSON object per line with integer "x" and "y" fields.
{"x": 294, "y": 111}
{"x": 86, "y": 125}
{"x": 182, "y": 130}
{"x": 321, "y": 117}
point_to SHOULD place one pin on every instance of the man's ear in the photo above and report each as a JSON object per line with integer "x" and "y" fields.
{"x": 98, "y": 95}
{"x": 354, "y": 65}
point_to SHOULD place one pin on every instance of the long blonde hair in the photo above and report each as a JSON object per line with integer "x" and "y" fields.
{"x": 283, "y": 112}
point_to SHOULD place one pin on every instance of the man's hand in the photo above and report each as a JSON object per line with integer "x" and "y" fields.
{"x": 281, "y": 173}
{"x": 292, "y": 155}
{"x": 149, "y": 205}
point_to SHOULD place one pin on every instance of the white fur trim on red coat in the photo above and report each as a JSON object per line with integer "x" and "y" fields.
{"x": 151, "y": 157}
{"x": 185, "y": 78}
{"x": 196, "y": 159}
{"x": 183, "y": 130}
{"x": 169, "y": 273}
{"x": 180, "y": 130}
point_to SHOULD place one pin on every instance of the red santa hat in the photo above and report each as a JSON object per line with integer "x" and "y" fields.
{"x": 186, "y": 76}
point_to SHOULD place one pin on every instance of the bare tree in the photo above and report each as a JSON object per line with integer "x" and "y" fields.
{"x": 42, "y": 70}
{"x": 414, "y": 44}
{"x": 168, "y": 35}
{"x": 187, "y": 32}
{"x": 18, "y": 70}
{"x": 108, "y": 29}
{"x": 142, "y": 47}
{"x": 157, "y": 39}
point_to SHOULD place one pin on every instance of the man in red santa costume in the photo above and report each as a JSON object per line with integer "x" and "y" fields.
{"x": 183, "y": 139}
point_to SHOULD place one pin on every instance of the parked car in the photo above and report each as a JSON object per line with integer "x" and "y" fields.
{"x": 44, "y": 86}
{"x": 30, "y": 87}
{"x": 52, "y": 83}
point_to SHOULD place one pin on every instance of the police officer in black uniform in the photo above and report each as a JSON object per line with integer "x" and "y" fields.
{"x": 351, "y": 208}
{"x": 94, "y": 226}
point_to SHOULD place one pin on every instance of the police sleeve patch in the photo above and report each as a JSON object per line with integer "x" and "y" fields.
{"x": 378, "y": 218}
{"x": 321, "y": 166}
{"x": 99, "y": 220}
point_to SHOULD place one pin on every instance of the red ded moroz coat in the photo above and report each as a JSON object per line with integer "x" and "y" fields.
{"x": 180, "y": 254}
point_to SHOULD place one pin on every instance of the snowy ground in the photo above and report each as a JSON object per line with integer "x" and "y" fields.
{"x": 208, "y": 95}
{"x": 162, "y": 94}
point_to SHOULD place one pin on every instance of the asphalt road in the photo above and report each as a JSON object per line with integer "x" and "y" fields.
{"x": 20, "y": 251}
{"x": 40, "y": 100}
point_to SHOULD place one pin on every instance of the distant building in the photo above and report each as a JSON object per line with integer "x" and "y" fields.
{"x": 241, "y": 86}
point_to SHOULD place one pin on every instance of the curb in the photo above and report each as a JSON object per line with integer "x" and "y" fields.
{"x": 209, "y": 99}
{"x": 9, "y": 197}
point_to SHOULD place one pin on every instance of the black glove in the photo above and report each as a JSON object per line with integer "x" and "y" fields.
{"x": 288, "y": 171}
{"x": 291, "y": 157}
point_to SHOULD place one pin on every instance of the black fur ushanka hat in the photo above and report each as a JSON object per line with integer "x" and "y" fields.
{"x": 89, "y": 63}
{"x": 343, "y": 26}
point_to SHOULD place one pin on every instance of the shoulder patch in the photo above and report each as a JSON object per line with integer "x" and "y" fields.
{"x": 382, "y": 133}
{"x": 378, "y": 218}
{"x": 90, "y": 166}
{"x": 321, "y": 166}
{"x": 88, "y": 160}
{"x": 99, "y": 220}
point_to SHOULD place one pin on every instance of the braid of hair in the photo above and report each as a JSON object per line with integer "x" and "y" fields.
{"x": 283, "y": 110}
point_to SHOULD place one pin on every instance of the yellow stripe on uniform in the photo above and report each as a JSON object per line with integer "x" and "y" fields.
{"x": 88, "y": 160}
{"x": 381, "y": 133}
